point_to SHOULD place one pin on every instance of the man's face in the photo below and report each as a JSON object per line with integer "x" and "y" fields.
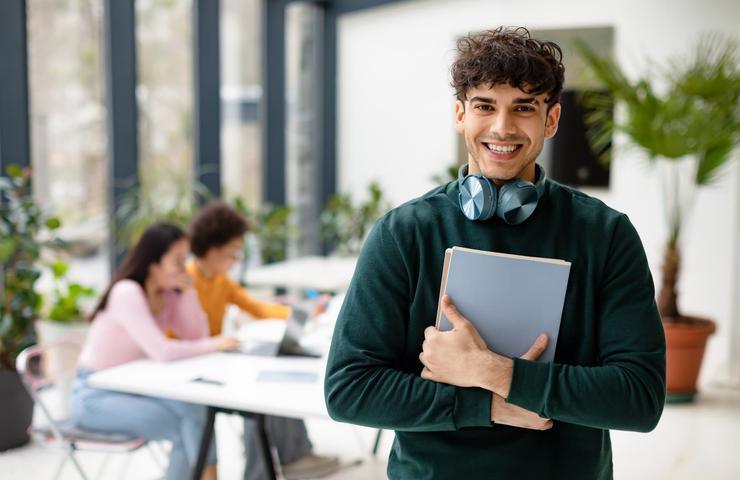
{"x": 505, "y": 129}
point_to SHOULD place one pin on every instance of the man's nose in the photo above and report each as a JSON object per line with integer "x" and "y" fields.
{"x": 503, "y": 125}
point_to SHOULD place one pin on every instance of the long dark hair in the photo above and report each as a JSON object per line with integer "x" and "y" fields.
{"x": 153, "y": 244}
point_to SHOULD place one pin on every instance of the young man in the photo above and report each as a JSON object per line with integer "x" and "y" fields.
{"x": 460, "y": 410}
{"x": 216, "y": 240}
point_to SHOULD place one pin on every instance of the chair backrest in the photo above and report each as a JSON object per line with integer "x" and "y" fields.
{"x": 46, "y": 365}
{"x": 43, "y": 365}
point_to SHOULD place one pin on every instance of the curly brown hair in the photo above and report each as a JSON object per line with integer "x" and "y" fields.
{"x": 510, "y": 56}
{"x": 214, "y": 226}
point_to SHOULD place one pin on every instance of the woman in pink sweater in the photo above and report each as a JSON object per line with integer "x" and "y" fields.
{"x": 150, "y": 294}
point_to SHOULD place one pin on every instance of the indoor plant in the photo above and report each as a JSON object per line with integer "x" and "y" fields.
{"x": 63, "y": 316}
{"x": 25, "y": 230}
{"x": 345, "y": 225}
{"x": 693, "y": 127}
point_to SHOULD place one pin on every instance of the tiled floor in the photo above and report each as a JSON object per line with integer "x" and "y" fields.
{"x": 692, "y": 442}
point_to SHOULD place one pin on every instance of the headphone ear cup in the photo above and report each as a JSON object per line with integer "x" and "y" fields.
{"x": 517, "y": 200}
{"x": 478, "y": 198}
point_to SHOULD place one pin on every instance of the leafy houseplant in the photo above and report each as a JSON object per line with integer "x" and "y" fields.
{"x": 67, "y": 295}
{"x": 345, "y": 225}
{"x": 25, "y": 230}
{"x": 270, "y": 224}
{"x": 695, "y": 124}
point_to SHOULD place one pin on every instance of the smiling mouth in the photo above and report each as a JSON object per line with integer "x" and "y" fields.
{"x": 503, "y": 150}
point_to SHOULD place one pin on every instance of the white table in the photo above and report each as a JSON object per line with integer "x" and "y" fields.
{"x": 325, "y": 274}
{"x": 228, "y": 382}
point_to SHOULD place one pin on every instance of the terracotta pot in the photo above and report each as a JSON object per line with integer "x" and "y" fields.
{"x": 685, "y": 343}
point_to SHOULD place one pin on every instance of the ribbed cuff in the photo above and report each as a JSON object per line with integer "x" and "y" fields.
{"x": 529, "y": 385}
{"x": 472, "y": 407}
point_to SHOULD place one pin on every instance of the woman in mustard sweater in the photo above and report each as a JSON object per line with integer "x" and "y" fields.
{"x": 216, "y": 240}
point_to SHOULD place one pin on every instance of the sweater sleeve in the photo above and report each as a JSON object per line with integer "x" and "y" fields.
{"x": 188, "y": 320}
{"x": 364, "y": 381}
{"x": 128, "y": 307}
{"x": 626, "y": 390}
{"x": 238, "y": 296}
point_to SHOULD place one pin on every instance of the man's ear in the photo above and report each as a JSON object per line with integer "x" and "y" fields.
{"x": 459, "y": 116}
{"x": 551, "y": 123}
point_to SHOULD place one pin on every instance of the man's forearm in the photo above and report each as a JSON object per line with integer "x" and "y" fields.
{"x": 496, "y": 373}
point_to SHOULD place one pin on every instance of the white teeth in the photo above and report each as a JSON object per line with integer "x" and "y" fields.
{"x": 501, "y": 149}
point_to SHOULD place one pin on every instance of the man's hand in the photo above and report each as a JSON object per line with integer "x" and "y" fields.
{"x": 455, "y": 357}
{"x": 508, "y": 414}
{"x": 460, "y": 357}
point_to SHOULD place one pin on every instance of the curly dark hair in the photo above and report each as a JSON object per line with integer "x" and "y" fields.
{"x": 510, "y": 56}
{"x": 214, "y": 226}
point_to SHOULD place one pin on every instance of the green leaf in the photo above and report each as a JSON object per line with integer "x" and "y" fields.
{"x": 59, "y": 269}
{"x": 53, "y": 223}
{"x": 710, "y": 163}
{"x": 7, "y": 247}
{"x": 14, "y": 171}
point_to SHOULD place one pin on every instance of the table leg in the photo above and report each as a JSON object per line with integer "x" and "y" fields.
{"x": 265, "y": 445}
{"x": 204, "y": 443}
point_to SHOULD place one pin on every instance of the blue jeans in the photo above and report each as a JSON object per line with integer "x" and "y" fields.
{"x": 149, "y": 418}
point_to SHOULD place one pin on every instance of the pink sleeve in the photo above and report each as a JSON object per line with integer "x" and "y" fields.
{"x": 186, "y": 317}
{"x": 127, "y": 306}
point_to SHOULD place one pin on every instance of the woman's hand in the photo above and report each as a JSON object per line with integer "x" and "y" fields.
{"x": 182, "y": 281}
{"x": 226, "y": 344}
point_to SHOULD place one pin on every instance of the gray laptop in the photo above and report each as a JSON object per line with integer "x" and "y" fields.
{"x": 288, "y": 345}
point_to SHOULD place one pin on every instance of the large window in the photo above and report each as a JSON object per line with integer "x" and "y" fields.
{"x": 68, "y": 129}
{"x": 241, "y": 164}
{"x": 164, "y": 92}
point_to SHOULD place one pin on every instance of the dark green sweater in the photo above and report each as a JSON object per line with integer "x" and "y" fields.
{"x": 609, "y": 368}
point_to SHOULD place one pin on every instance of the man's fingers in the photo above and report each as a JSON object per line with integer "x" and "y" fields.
{"x": 426, "y": 374}
{"x": 429, "y": 331}
{"x": 452, "y": 313}
{"x": 538, "y": 348}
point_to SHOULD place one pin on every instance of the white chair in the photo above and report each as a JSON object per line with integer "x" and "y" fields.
{"x": 43, "y": 367}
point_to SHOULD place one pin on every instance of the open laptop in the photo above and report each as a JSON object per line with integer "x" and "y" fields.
{"x": 288, "y": 345}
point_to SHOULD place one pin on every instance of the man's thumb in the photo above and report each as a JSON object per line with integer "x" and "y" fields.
{"x": 452, "y": 313}
{"x": 538, "y": 348}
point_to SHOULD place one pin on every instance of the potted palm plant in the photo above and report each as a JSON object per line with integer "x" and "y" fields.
{"x": 25, "y": 230}
{"x": 689, "y": 132}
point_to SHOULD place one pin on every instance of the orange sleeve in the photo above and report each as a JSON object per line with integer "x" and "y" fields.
{"x": 239, "y": 297}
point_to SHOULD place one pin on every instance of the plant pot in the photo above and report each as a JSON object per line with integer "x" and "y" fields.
{"x": 685, "y": 344}
{"x": 61, "y": 363}
{"x": 16, "y": 410}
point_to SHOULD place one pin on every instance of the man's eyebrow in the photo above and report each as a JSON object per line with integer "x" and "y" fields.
{"x": 517, "y": 101}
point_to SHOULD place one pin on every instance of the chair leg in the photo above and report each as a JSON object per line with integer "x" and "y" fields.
{"x": 60, "y": 467}
{"x": 75, "y": 462}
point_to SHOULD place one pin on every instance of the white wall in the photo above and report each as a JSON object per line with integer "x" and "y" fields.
{"x": 396, "y": 123}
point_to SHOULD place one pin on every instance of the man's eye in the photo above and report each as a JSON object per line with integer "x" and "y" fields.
{"x": 485, "y": 108}
{"x": 524, "y": 108}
